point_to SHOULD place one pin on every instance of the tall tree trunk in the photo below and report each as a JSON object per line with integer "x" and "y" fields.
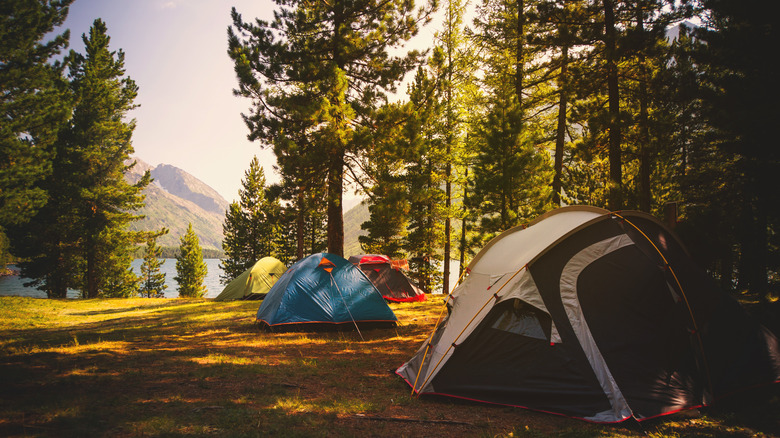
{"x": 448, "y": 166}
{"x": 505, "y": 188}
{"x": 519, "y": 75}
{"x": 447, "y": 225}
{"x": 560, "y": 134}
{"x": 56, "y": 282}
{"x": 300, "y": 227}
{"x": 336, "y": 162}
{"x": 92, "y": 286}
{"x": 519, "y": 54}
{"x": 753, "y": 243}
{"x": 615, "y": 200}
{"x": 463, "y": 227}
{"x": 335, "y": 213}
{"x": 644, "y": 128}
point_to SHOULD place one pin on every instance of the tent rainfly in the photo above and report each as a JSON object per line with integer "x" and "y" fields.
{"x": 388, "y": 278}
{"x": 255, "y": 282}
{"x": 324, "y": 291}
{"x": 594, "y": 315}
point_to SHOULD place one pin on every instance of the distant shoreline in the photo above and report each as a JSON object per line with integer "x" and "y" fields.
{"x": 7, "y": 272}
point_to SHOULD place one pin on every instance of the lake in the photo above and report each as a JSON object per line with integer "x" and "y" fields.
{"x": 13, "y": 285}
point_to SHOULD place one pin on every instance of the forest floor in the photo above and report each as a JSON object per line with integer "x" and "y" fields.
{"x": 173, "y": 367}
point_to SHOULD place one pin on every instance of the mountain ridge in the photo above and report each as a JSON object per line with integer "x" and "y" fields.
{"x": 182, "y": 184}
{"x": 175, "y": 199}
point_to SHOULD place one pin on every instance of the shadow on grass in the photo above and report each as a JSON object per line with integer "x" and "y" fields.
{"x": 752, "y": 413}
{"x": 153, "y": 304}
{"x": 186, "y": 371}
{"x": 173, "y": 320}
{"x": 201, "y": 369}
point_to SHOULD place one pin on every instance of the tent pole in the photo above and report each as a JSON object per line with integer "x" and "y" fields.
{"x": 428, "y": 347}
{"x": 494, "y": 296}
{"x": 682, "y": 292}
{"x": 333, "y": 282}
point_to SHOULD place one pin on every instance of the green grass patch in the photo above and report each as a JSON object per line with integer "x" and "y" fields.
{"x": 156, "y": 367}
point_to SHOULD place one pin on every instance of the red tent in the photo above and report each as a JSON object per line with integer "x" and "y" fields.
{"x": 388, "y": 277}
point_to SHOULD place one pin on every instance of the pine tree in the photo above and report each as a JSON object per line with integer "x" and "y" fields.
{"x": 152, "y": 280}
{"x": 330, "y": 68}
{"x": 287, "y": 237}
{"x": 739, "y": 91}
{"x": 425, "y": 162}
{"x": 32, "y": 108}
{"x": 191, "y": 270}
{"x": 251, "y": 226}
{"x": 388, "y": 198}
{"x": 510, "y": 174}
{"x": 99, "y": 147}
{"x": 234, "y": 230}
{"x": 303, "y": 186}
{"x": 389, "y": 209}
{"x": 563, "y": 38}
{"x": 645, "y": 51}
{"x": 509, "y": 171}
{"x": 456, "y": 71}
{"x": 79, "y": 239}
{"x": 113, "y": 258}
{"x": 614, "y": 128}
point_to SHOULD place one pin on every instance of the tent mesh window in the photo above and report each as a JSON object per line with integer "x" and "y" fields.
{"x": 521, "y": 318}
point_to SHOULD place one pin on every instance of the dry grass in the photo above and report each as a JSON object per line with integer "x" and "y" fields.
{"x": 142, "y": 367}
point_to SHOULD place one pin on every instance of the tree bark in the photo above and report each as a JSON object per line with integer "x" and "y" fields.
{"x": 299, "y": 227}
{"x": 560, "y": 135}
{"x": 519, "y": 54}
{"x": 463, "y": 225}
{"x": 335, "y": 213}
{"x": 644, "y": 129}
{"x": 615, "y": 195}
{"x": 92, "y": 287}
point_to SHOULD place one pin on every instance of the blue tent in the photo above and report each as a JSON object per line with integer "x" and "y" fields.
{"x": 324, "y": 290}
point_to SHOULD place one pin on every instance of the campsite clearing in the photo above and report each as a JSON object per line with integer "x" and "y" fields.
{"x": 148, "y": 367}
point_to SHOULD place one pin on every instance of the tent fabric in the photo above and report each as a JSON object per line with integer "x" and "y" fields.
{"x": 323, "y": 290}
{"x": 368, "y": 259}
{"x": 595, "y": 315}
{"x": 388, "y": 277}
{"x": 255, "y": 282}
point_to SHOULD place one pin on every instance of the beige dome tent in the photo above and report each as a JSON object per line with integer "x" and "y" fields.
{"x": 595, "y": 315}
{"x": 255, "y": 282}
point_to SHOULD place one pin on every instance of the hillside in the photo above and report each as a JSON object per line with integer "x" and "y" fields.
{"x": 353, "y": 219}
{"x": 185, "y": 186}
{"x": 175, "y": 199}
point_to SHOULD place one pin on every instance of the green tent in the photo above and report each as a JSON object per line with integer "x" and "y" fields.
{"x": 255, "y": 282}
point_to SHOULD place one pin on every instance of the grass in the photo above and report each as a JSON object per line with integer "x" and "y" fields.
{"x": 155, "y": 367}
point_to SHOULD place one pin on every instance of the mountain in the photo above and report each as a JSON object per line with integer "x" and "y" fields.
{"x": 180, "y": 183}
{"x": 353, "y": 219}
{"x": 673, "y": 32}
{"x": 173, "y": 200}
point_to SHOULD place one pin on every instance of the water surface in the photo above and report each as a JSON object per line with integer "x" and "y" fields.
{"x": 14, "y": 286}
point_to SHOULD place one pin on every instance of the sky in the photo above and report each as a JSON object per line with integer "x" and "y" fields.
{"x": 176, "y": 52}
